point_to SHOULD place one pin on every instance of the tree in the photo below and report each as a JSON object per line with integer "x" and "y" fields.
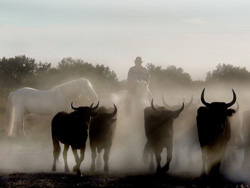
{"x": 15, "y": 71}
{"x": 168, "y": 76}
{"x": 228, "y": 73}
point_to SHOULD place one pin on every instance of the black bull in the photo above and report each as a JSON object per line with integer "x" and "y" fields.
{"x": 159, "y": 133}
{"x": 101, "y": 134}
{"x": 214, "y": 132}
{"x": 71, "y": 130}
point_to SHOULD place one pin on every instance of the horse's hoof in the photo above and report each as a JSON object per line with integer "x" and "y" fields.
{"x": 53, "y": 169}
{"x": 106, "y": 171}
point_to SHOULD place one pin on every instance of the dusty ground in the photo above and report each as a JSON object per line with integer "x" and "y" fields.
{"x": 27, "y": 163}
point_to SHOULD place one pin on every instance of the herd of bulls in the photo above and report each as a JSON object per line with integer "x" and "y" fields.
{"x": 212, "y": 125}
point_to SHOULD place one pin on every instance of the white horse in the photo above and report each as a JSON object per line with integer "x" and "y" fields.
{"x": 28, "y": 100}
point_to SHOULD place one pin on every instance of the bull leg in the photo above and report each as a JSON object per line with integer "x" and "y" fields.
{"x": 82, "y": 151}
{"x": 78, "y": 160}
{"x": 93, "y": 155}
{"x": 169, "y": 157}
{"x": 76, "y": 168}
{"x": 65, "y": 152}
{"x": 151, "y": 166}
{"x": 99, "y": 159}
{"x": 158, "y": 161}
{"x": 204, "y": 162}
{"x": 215, "y": 170}
{"x": 56, "y": 152}
{"x": 245, "y": 164}
{"x": 106, "y": 158}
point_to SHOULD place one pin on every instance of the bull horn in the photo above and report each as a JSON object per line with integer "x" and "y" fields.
{"x": 74, "y": 108}
{"x": 94, "y": 108}
{"x": 113, "y": 113}
{"x": 153, "y": 107}
{"x": 202, "y": 98}
{"x": 180, "y": 110}
{"x": 233, "y": 101}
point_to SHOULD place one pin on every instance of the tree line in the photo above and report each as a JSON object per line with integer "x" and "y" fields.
{"x": 22, "y": 71}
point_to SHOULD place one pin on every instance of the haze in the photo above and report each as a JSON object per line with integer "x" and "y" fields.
{"x": 193, "y": 35}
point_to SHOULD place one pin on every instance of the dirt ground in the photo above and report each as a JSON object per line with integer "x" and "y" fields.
{"x": 114, "y": 180}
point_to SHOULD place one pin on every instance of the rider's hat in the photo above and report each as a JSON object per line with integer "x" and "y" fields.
{"x": 138, "y": 60}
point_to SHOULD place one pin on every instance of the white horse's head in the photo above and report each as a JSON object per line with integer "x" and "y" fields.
{"x": 87, "y": 90}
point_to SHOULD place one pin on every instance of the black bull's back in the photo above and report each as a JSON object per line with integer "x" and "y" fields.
{"x": 157, "y": 127}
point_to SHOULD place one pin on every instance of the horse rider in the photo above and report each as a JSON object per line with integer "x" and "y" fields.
{"x": 136, "y": 75}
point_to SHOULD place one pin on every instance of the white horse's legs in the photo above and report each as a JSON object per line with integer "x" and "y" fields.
{"x": 18, "y": 127}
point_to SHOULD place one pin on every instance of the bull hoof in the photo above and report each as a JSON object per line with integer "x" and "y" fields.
{"x": 78, "y": 172}
{"x": 66, "y": 170}
{"x": 160, "y": 172}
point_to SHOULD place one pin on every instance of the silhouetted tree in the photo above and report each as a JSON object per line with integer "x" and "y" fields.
{"x": 170, "y": 76}
{"x": 15, "y": 71}
{"x": 228, "y": 73}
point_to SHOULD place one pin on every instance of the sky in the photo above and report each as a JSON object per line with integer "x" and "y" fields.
{"x": 195, "y": 35}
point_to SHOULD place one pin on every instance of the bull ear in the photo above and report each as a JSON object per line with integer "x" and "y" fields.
{"x": 74, "y": 108}
{"x": 230, "y": 112}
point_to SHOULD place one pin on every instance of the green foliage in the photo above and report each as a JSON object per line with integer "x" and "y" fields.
{"x": 99, "y": 75}
{"x": 14, "y": 71}
{"x": 22, "y": 71}
{"x": 168, "y": 76}
{"x": 228, "y": 73}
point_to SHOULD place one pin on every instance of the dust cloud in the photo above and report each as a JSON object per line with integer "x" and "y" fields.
{"x": 34, "y": 152}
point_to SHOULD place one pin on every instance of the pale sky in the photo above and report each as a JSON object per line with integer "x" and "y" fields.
{"x": 195, "y": 35}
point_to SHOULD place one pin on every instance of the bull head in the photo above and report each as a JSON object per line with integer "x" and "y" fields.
{"x": 176, "y": 112}
{"x": 227, "y": 104}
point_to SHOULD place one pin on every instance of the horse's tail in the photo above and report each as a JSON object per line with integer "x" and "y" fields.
{"x": 9, "y": 114}
{"x": 146, "y": 153}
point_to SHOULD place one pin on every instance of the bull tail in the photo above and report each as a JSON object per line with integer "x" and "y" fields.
{"x": 9, "y": 114}
{"x": 146, "y": 153}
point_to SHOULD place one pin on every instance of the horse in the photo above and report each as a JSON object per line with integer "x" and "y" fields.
{"x": 29, "y": 100}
